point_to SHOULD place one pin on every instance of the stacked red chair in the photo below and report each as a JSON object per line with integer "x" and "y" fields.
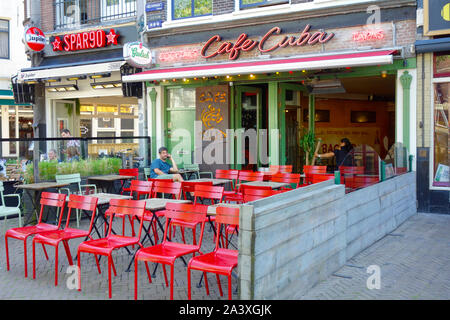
{"x": 55, "y": 237}
{"x": 221, "y": 261}
{"x": 48, "y": 199}
{"x": 167, "y": 252}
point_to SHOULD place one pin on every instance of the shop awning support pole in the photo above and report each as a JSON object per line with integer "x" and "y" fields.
{"x": 152, "y": 94}
{"x": 406, "y": 80}
{"x": 274, "y": 134}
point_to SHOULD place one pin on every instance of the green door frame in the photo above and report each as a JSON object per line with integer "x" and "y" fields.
{"x": 237, "y": 122}
{"x": 283, "y": 86}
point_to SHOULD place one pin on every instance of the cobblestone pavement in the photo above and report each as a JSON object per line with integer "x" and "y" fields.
{"x": 94, "y": 286}
{"x": 414, "y": 261}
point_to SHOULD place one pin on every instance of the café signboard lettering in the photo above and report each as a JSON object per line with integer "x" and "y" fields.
{"x": 244, "y": 44}
{"x": 85, "y": 40}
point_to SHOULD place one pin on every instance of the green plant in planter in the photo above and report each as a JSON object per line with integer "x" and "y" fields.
{"x": 308, "y": 143}
{"x": 28, "y": 175}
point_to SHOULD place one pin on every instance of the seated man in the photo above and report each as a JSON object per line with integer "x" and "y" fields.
{"x": 161, "y": 167}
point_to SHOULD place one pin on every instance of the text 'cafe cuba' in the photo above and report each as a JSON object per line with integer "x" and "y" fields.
{"x": 339, "y": 76}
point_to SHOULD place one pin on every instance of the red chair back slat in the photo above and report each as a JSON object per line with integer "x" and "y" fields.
{"x": 167, "y": 187}
{"x": 252, "y": 193}
{"x": 82, "y": 203}
{"x": 227, "y": 215}
{"x": 280, "y": 168}
{"x": 318, "y": 177}
{"x": 51, "y": 199}
{"x": 314, "y": 169}
{"x": 187, "y": 213}
{"x": 208, "y": 192}
{"x": 227, "y": 174}
{"x": 126, "y": 207}
{"x": 129, "y": 172}
{"x": 141, "y": 188}
{"x": 250, "y": 176}
{"x": 287, "y": 178}
{"x": 188, "y": 186}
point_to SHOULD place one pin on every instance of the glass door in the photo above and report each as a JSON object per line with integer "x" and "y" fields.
{"x": 248, "y": 118}
{"x": 290, "y": 125}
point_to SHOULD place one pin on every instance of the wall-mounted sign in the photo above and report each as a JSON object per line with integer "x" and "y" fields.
{"x": 436, "y": 17}
{"x": 368, "y": 35}
{"x": 178, "y": 55}
{"x": 34, "y": 39}
{"x": 244, "y": 44}
{"x": 85, "y": 40}
{"x": 155, "y": 24}
{"x": 157, "y": 6}
{"x": 137, "y": 55}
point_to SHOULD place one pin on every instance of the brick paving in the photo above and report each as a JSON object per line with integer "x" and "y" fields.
{"x": 414, "y": 262}
{"x": 94, "y": 286}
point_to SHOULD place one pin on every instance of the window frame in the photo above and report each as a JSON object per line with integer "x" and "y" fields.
{"x": 9, "y": 39}
{"x": 264, "y": 3}
{"x": 432, "y": 127}
{"x": 172, "y": 14}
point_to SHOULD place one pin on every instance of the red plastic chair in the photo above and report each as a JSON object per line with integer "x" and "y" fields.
{"x": 311, "y": 170}
{"x": 280, "y": 168}
{"x": 221, "y": 261}
{"x": 201, "y": 193}
{"x": 189, "y": 186}
{"x": 244, "y": 176}
{"x": 318, "y": 177}
{"x": 48, "y": 199}
{"x": 128, "y": 172}
{"x": 105, "y": 246}
{"x": 168, "y": 251}
{"x": 53, "y": 238}
{"x": 252, "y": 193}
{"x": 291, "y": 178}
{"x": 161, "y": 186}
{"x": 137, "y": 188}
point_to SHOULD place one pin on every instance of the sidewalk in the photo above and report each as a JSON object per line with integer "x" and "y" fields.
{"x": 414, "y": 261}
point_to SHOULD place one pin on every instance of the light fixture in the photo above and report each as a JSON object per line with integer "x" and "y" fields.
{"x": 62, "y": 88}
{"x": 383, "y": 74}
{"x": 100, "y": 75}
{"x": 252, "y": 76}
{"x": 32, "y": 81}
{"x": 277, "y": 73}
{"x": 106, "y": 85}
{"x": 75, "y": 78}
{"x": 326, "y": 86}
{"x": 52, "y": 79}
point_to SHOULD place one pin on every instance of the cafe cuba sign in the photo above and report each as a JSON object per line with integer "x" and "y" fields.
{"x": 137, "y": 55}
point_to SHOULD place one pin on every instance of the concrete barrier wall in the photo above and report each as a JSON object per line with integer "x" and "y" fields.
{"x": 291, "y": 241}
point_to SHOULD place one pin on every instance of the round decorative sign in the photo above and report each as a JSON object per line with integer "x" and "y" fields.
{"x": 137, "y": 55}
{"x": 34, "y": 39}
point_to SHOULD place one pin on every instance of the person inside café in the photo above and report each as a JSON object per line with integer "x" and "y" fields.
{"x": 342, "y": 153}
{"x": 160, "y": 166}
{"x": 52, "y": 155}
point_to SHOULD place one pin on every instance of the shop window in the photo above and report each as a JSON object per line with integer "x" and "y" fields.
{"x": 4, "y": 39}
{"x": 181, "y": 98}
{"x": 442, "y": 65}
{"x": 245, "y": 4}
{"x": 320, "y": 115}
{"x": 441, "y": 175}
{"x": 182, "y": 9}
{"x": 363, "y": 117}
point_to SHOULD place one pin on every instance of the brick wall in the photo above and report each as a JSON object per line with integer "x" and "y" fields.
{"x": 223, "y": 6}
{"x": 291, "y": 241}
{"x": 47, "y": 15}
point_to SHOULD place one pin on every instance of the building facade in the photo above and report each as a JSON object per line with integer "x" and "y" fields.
{"x": 15, "y": 119}
{"x": 267, "y": 66}
{"x": 433, "y": 92}
{"x": 77, "y": 75}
